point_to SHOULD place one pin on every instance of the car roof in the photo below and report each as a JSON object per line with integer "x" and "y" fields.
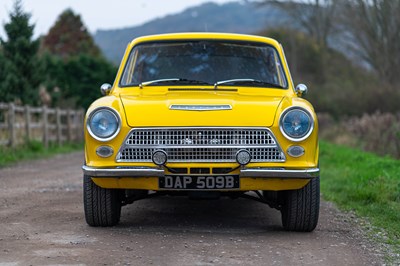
{"x": 205, "y": 36}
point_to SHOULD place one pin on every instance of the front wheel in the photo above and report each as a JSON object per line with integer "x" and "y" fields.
{"x": 300, "y": 208}
{"x": 102, "y": 206}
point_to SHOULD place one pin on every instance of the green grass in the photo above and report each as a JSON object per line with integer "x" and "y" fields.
{"x": 34, "y": 150}
{"x": 365, "y": 183}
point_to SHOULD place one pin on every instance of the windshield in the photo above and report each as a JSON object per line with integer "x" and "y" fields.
{"x": 204, "y": 62}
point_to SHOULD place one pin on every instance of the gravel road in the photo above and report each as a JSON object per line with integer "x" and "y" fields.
{"x": 42, "y": 223}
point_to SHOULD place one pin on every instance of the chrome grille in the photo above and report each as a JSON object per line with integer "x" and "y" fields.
{"x": 200, "y": 144}
{"x": 188, "y": 137}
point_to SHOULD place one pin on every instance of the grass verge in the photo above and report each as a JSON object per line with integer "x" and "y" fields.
{"x": 365, "y": 183}
{"x": 34, "y": 150}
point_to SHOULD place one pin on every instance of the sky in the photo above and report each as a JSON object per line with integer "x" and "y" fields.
{"x": 98, "y": 14}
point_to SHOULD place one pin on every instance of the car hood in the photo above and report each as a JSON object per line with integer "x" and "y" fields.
{"x": 212, "y": 108}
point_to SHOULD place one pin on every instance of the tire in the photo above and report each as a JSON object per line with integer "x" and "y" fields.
{"x": 300, "y": 209}
{"x": 102, "y": 206}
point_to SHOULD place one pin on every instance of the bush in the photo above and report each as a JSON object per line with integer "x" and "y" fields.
{"x": 77, "y": 79}
{"x": 378, "y": 132}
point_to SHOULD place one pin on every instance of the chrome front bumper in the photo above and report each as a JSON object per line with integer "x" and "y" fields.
{"x": 279, "y": 173}
{"x": 158, "y": 172}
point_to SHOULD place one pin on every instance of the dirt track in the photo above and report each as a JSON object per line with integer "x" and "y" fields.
{"x": 42, "y": 223}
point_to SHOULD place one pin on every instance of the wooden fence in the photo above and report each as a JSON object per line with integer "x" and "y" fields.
{"x": 19, "y": 124}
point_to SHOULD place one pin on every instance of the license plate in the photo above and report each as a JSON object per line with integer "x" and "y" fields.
{"x": 199, "y": 182}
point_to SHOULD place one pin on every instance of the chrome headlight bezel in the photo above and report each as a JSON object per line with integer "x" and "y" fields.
{"x": 303, "y": 136}
{"x": 114, "y": 113}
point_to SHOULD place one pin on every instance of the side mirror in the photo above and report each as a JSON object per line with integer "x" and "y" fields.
{"x": 105, "y": 89}
{"x": 301, "y": 90}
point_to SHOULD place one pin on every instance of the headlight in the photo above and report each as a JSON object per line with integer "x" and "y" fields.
{"x": 104, "y": 124}
{"x": 296, "y": 124}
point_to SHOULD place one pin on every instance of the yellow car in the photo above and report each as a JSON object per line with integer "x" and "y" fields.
{"x": 205, "y": 115}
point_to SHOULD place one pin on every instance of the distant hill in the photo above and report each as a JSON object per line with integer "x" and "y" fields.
{"x": 232, "y": 17}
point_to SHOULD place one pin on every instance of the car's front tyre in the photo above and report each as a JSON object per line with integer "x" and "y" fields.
{"x": 102, "y": 206}
{"x": 300, "y": 208}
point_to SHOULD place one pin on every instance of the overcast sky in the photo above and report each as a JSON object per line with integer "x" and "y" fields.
{"x": 98, "y": 14}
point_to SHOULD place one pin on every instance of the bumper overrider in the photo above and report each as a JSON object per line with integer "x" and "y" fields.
{"x": 159, "y": 172}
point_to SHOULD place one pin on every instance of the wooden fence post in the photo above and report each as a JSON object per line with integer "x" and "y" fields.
{"x": 27, "y": 123}
{"x": 58, "y": 127}
{"x": 69, "y": 126}
{"x": 45, "y": 127}
{"x": 11, "y": 124}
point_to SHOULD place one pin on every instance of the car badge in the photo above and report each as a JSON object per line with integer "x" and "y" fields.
{"x": 187, "y": 141}
{"x": 200, "y": 107}
{"x": 215, "y": 142}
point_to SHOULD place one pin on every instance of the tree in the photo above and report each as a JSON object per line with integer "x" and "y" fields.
{"x": 76, "y": 81}
{"x": 69, "y": 37}
{"x": 316, "y": 17}
{"x": 84, "y": 75}
{"x": 338, "y": 91}
{"x": 75, "y": 67}
{"x": 2, "y": 73}
{"x": 374, "y": 28}
{"x": 21, "y": 67}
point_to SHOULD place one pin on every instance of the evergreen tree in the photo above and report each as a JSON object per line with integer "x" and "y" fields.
{"x": 21, "y": 68}
{"x": 2, "y": 73}
{"x": 69, "y": 37}
{"x": 83, "y": 76}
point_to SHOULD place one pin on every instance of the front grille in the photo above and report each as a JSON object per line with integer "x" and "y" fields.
{"x": 197, "y": 137}
{"x": 200, "y": 144}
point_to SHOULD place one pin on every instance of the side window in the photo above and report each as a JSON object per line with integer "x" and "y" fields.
{"x": 129, "y": 68}
{"x": 279, "y": 71}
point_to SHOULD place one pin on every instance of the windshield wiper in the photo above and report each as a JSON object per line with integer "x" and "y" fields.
{"x": 173, "y": 80}
{"x": 246, "y": 81}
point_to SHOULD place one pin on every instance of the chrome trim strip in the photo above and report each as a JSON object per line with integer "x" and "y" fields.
{"x": 204, "y": 146}
{"x": 123, "y": 172}
{"x": 201, "y": 128}
{"x": 279, "y": 173}
{"x": 200, "y": 107}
